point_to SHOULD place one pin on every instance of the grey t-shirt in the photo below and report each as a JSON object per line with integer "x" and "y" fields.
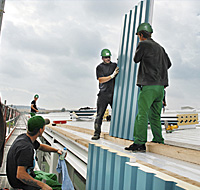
{"x": 104, "y": 70}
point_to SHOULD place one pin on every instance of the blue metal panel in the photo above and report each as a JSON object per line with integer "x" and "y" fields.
{"x": 95, "y": 168}
{"x": 102, "y": 169}
{"x": 162, "y": 184}
{"x": 130, "y": 177}
{"x": 89, "y": 166}
{"x": 113, "y": 130}
{"x": 126, "y": 92}
{"x": 119, "y": 171}
{"x": 108, "y": 170}
{"x": 178, "y": 188}
{"x": 144, "y": 180}
{"x": 109, "y": 175}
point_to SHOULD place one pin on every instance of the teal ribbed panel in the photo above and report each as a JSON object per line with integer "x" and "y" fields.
{"x": 130, "y": 177}
{"x": 144, "y": 180}
{"x": 119, "y": 171}
{"x": 102, "y": 169}
{"x": 125, "y": 97}
{"x": 109, "y": 172}
{"x": 178, "y": 188}
{"x": 89, "y": 166}
{"x": 162, "y": 184}
{"x": 95, "y": 168}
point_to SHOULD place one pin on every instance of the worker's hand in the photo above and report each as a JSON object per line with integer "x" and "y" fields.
{"x": 46, "y": 187}
{"x": 116, "y": 71}
{"x": 59, "y": 151}
{"x": 65, "y": 154}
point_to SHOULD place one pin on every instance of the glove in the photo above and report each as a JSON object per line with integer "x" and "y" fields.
{"x": 116, "y": 71}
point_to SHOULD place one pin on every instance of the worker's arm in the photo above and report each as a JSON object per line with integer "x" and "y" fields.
{"x": 34, "y": 108}
{"x": 47, "y": 148}
{"x": 23, "y": 176}
{"x": 106, "y": 79}
{"x": 139, "y": 53}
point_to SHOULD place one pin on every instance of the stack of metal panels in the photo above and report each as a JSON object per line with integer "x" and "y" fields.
{"x": 126, "y": 92}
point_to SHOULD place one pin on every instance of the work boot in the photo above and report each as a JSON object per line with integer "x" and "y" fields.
{"x": 95, "y": 137}
{"x": 136, "y": 147}
{"x": 97, "y": 131}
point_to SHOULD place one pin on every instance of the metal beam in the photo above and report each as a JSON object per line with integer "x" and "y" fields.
{"x": 2, "y": 4}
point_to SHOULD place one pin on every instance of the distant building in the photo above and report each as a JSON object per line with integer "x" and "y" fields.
{"x": 187, "y": 108}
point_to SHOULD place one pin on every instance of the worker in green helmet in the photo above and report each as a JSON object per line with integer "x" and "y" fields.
{"x": 152, "y": 78}
{"x": 21, "y": 157}
{"x": 34, "y": 108}
{"x": 105, "y": 73}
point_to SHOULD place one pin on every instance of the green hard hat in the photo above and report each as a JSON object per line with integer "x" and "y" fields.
{"x": 144, "y": 26}
{"x": 36, "y": 96}
{"x": 37, "y": 122}
{"x": 105, "y": 52}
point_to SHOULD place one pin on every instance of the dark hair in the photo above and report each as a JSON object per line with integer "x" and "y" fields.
{"x": 34, "y": 132}
{"x": 145, "y": 33}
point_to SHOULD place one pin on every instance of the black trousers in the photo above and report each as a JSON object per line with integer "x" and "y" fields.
{"x": 102, "y": 102}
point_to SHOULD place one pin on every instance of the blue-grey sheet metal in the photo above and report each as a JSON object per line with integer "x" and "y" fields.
{"x": 109, "y": 170}
{"x": 126, "y": 92}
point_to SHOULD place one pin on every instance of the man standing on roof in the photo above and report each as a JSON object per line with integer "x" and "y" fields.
{"x": 152, "y": 78}
{"x": 34, "y": 109}
{"x": 21, "y": 156}
{"x": 106, "y": 73}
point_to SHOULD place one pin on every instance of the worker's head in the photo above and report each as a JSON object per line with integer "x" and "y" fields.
{"x": 144, "y": 31}
{"x": 36, "y": 124}
{"x": 36, "y": 97}
{"x": 106, "y": 54}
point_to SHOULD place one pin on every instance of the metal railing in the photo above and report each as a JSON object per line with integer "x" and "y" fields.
{"x": 10, "y": 115}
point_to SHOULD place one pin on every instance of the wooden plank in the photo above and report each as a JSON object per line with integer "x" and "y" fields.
{"x": 71, "y": 136}
{"x": 185, "y": 154}
{"x": 180, "y": 153}
{"x": 78, "y": 129}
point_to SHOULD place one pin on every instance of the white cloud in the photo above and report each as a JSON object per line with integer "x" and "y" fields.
{"x": 53, "y": 47}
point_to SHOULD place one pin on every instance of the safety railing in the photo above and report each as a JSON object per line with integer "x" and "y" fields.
{"x": 10, "y": 116}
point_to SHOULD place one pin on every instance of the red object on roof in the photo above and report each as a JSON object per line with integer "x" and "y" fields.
{"x": 60, "y": 122}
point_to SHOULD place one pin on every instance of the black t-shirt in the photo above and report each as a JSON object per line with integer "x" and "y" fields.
{"x": 34, "y": 105}
{"x": 104, "y": 70}
{"x": 21, "y": 153}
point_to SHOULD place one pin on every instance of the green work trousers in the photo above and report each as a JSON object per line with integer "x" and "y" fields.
{"x": 149, "y": 108}
{"x": 32, "y": 114}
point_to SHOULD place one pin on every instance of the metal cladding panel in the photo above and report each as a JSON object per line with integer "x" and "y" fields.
{"x": 144, "y": 180}
{"x": 108, "y": 170}
{"x": 119, "y": 171}
{"x": 160, "y": 183}
{"x": 130, "y": 177}
{"x": 126, "y": 92}
{"x": 89, "y": 166}
{"x": 110, "y": 164}
{"x": 102, "y": 169}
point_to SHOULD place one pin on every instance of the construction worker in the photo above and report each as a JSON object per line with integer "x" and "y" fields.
{"x": 21, "y": 156}
{"x": 106, "y": 73}
{"x": 34, "y": 109}
{"x": 152, "y": 78}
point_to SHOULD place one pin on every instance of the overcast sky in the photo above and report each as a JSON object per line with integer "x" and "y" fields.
{"x": 52, "y": 48}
